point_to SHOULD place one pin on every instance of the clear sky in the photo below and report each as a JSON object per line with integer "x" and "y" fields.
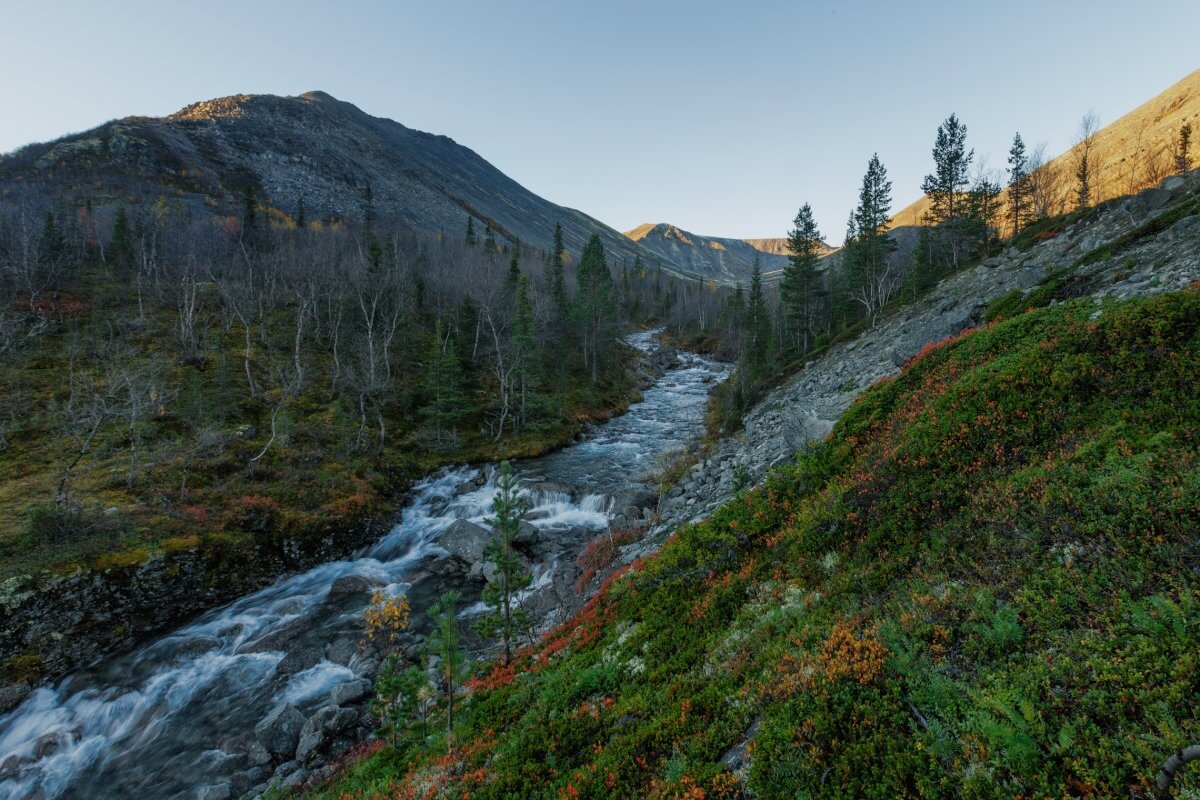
{"x": 721, "y": 118}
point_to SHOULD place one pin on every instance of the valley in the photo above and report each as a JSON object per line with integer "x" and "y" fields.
{"x": 335, "y": 463}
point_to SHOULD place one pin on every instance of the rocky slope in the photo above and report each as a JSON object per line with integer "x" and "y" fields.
{"x": 726, "y": 261}
{"x": 1120, "y": 264}
{"x": 311, "y": 148}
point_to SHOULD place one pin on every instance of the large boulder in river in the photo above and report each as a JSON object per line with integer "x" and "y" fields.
{"x": 279, "y": 731}
{"x": 464, "y": 540}
{"x": 349, "y": 586}
{"x": 527, "y": 536}
{"x": 348, "y": 692}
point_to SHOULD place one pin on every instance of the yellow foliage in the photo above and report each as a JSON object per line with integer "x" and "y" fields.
{"x": 386, "y": 616}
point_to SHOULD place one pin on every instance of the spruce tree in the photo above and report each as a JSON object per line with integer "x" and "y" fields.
{"x": 1183, "y": 148}
{"x": 594, "y": 305}
{"x": 1018, "y": 184}
{"x": 489, "y": 239}
{"x": 951, "y": 161}
{"x": 867, "y": 268}
{"x": 554, "y": 272}
{"x": 514, "y": 273}
{"x": 50, "y": 243}
{"x": 444, "y": 381}
{"x": 368, "y": 208}
{"x": 470, "y": 237}
{"x": 982, "y": 207}
{"x": 800, "y": 283}
{"x": 922, "y": 271}
{"x": 525, "y": 348}
{"x": 757, "y": 343}
{"x": 251, "y": 236}
{"x": 301, "y": 217}
{"x": 1083, "y": 182}
{"x": 946, "y": 184}
{"x": 445, "y": 642}
{"x": 510, "y": 577}
{"x": 120, "y": 245}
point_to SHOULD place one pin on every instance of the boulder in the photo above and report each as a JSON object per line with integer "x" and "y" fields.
{"x": 317, "y": 721}
{"x": 340, "y": 720}
{"x": 342, "y": 650}
{"x": 348, "y": 692}
{"x": 277, "y": 639}
{"x": 279, "y": 731}
{"x": 464, "y": 541}
{"x": 527, "y": 535}
{"x": 1174, "y": 182}
{"x": 300, "y": 659}
{"x": 1155, "y": 198}
{"x": 214, "y": 791}
{"x": 349, "y": 586}
{"x": 309, "y": 744}
{"x": 241, "y": 782}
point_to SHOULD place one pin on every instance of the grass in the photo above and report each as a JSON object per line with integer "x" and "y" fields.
{"x": 982, "y": 586}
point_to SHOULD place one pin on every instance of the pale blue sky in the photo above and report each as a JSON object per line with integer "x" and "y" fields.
{"x": 721, "y": 118}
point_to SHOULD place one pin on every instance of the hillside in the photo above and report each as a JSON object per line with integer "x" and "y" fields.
{"x": 1130, "y": 154}
{"x": 980, "y": 584}
{"x": 727, "y": 261}
{"x": 311, "y": 148}
{"x": 863, "y": 627}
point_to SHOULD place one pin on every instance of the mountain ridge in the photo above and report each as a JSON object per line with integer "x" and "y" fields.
{"x": 311, "y": 148}
{"x": 722, "y": 259}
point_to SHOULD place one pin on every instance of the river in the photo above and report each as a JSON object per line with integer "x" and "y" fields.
{"x": 173, "y": 715}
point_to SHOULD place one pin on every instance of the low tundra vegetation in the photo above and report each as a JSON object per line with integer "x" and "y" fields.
{"x": 983, "y": 585}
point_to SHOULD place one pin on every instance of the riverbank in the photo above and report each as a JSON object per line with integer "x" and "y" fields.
{"x": 296, "y": 642}
{"x": 76, "y": 610}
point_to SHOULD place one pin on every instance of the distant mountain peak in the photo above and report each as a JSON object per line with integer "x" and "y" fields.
{"x": 312, "y": 149}
{"x": 720, "y": 258}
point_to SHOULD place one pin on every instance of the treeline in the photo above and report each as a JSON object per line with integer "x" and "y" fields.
{"x": 159, "y": 327}
{"x": 970, "y": 209}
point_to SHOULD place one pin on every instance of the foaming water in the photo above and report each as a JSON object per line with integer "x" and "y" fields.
{"x": 175, "y": 714}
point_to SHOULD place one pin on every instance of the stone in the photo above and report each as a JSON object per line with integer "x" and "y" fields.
{"x": 317, "y": 721}
{"x": 348, "y": 692}
{"x": 296, "y": 778}
{"x": 214, "y": 791}
{"x": 276, "y": 640}
{"x": 340, "y": 720}
{"x": 309, "y": 744}
{"x": 342, "y": 650}
{"x": 241, "y": 782}
{"x": 284, "y": 770}
{"x": 1174, "y": 182}
{"x": 527, "y": 535}
{"x": 258, "y": 755}
{"x": 349, "y": 586}
{"x": 1155, "y": 198}
{"x": 464, "y": 540}
{"x": 279, "y": 731}
{"x": 300, "y": 659}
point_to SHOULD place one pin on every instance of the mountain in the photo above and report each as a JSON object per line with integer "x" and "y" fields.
{"x": 1131, "y": 154}
{"x": 312, "y": 148}
{"x": 727, "y": 261}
